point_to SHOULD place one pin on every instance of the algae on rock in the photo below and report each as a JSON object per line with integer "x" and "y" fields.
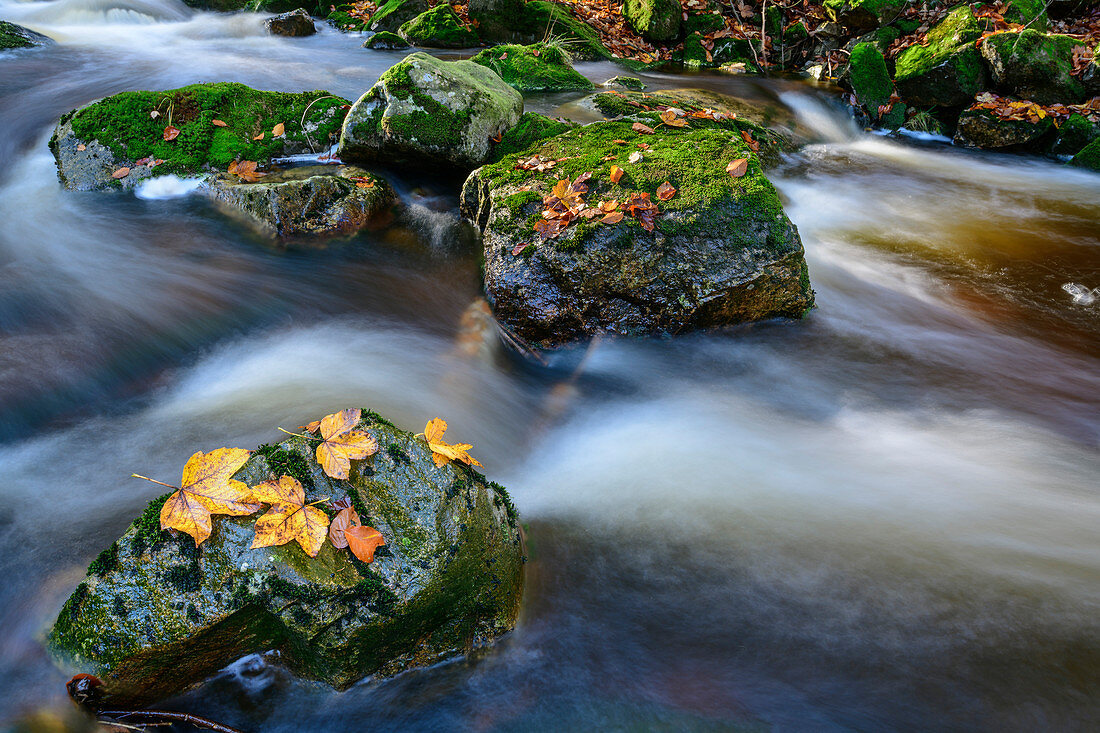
{"x": 163, "y": 614}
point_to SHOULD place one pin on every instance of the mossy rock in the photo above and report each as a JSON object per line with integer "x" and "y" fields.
{"x": 396, "y": 13}
{"x": 871, "y": 83}
{"x": 982, "y": 129}
{"x": 157, "y": 614}
{"x": 427, "y": 111}
{"x": 864, "y": 15}
{"x": 534, "y": 68}
{"x": 657, "y": 20}
{"x": 948, "y": 70}
{"x": 294, "y": 24}
{"x": 342, "y": 20}
{"x": 385, "y": 41}
{"x": 1034, "y": 65}
{"x": 1031, "y": 13}
{"x": 515, "y": 21}
{"x": 439, "y": 27}
{"x": 723, "y": 250}
{"x": 772, "y": 125}
{"x": 703, "y": 22}
{"x": 16, "y": 36}
{"x": 630, "y": 83}
{"x": 306, "y": 200}
{"x": 1089, "y": 157}
{"x": 90, "y": 143}
{"x": 1074, "y": 134}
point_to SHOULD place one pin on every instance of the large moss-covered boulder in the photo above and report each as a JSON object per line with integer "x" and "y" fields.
{"x": 535, "y": 68}
{"x": 1034, "y": 66}
{"x": 871, "y": 83}
{"x": 439, "y": 27}
{"x": 91, "y": 143}
{"x": 948, "y": 70}
{"x": 427, "y": 111}
{"x": 980, "y": 128}
{"x": 864, "y": 15}
{"x": 396, "y": 13}
{"x": 657, "y": 20}
{"x": 16, "y": 36}
{"x": 156, "y": 614}
{"x": 721, "y": 250}
{"x": 306, "y": 200}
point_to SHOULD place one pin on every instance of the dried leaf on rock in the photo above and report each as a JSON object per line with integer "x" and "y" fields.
{"x": 669, "y": 118}
{"x": 289, "y": 518}
{"x": 340, "y": 443}
{"x": 616, "y": 173}
{"x": 278, "y": 130}
{"x": 121, "y": 172}
{"x": 363, "y": 541}
{"x": 641, "y": 129}
{"x": 218, "y": 123}
{"x": 171, "y": 133}
{"x": 666, "y": 191}
{"x": 738, "y": 167}
{"x": 346, "y": 517}
{"x": 443, "y": 452}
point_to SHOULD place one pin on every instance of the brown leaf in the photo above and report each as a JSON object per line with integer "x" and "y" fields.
{"x": 246, "y": 170}
{"x": 753, "y": 144}
{"x": 340, "y": 444}
{"x": 289, "y": 518}
{"x": 81, "y": 147}
{"x": 669, "y": 118}
{"x": 518, "y": 249}
{"x": 171, "y": 133}
{"x": 207, "y": 489}
{"x": 442, "y": 452}
{"x": 641, "y": 129}
{"x": 666, "y": 191}
{"x": 218, "y": 123}
{"x": 278, "y": 130}
{"x": 738, "y": 167}
{"x": 259, "y": 137}
{"x": 347, "y": 517}
{"x": 121, "y": 172}
{"x": 363, "y": 541}
{"x": 616, "y": 173}
{"x": 613, "y": 218}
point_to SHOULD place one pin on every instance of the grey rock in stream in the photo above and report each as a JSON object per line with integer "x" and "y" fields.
{"x": 295, "y": 24}
{"x": 156, "y": 615}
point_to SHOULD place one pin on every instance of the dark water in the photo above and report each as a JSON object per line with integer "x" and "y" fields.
{"x": 883, "y": 517}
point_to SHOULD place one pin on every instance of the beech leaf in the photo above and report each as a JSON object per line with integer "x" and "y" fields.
{"x": 171, "y": 133}
{"x": 346, "y": 517}
{"x": 121, "y": 172}
{"x": 218, "y": 123}
{"x": 616, "y": 173}
{"x": 738, "y": 167}
{"x": 642, "y": 129}
{"x": 278, "y": 130}
{"x": 666, "y": 191}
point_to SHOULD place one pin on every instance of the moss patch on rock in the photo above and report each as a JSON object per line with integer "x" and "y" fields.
{"x": 1034, "y": 65}
{"x": 439, "y": 27}
{"x": 16, "y": 36}
{"x": 1089, "y": 157}
{"x": 385, "y": 41}
{"x": 123, "y": 125}
{"x": 657, "y": 20}
{"x": 871, "y": 82}
{"x": 535, "y": 68}
{"x": 947, "y": 70}
{"x": 531, "y": 128}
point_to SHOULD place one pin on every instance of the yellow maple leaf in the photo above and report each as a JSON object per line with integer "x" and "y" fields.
{"x": 443, "y": 452}
{"x": 206, "y": 489}
{"x": 290, "y": 517}
{"x": 340, "y": 444}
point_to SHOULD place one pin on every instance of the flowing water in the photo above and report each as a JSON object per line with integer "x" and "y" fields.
{"x": 882, "y": 517}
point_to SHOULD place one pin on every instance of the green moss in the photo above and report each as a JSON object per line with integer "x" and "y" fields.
{"x": 105, "y": 562}
{"x": 632, "y": 83}
{"x": 398, "y": 454}
{"x": 536, "y": 68}
{"x": 872, "y": 85}
{"x": 863, "y": 13}
{"x": 703, "y": 23}
{"x": 148, "y": 528}
{"x": 287, "y": 463}
{"x": 373, "y": 417}
{"x": 342, "y": 20}
{"x": 10, "y": 37}
{"x": 1031, "y": 13}
{"x": 531, "y": 128}
{"x": 542, "y": 19}
{"x": 439, "y": 27}
{"x": 518, "y": 201}
{"x": 657, "y": 20}
{"x": 1035, "y": 65}
{"x": 433, "y": 124}
{"x": 385, "y": 40}
{"x": 724, "y": 51}
{"x": 1074, "y": 134}
{"x": 958, "y": 29}
{"x": 1089, "y": 157}
{"x": 123, "y": 124}
{"x": 393, "y": 14}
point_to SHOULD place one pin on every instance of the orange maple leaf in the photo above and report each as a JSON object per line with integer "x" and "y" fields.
{"x": 443, "y": 452}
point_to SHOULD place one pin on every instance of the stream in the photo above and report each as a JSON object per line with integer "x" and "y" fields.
{"x": 882, "y": 517}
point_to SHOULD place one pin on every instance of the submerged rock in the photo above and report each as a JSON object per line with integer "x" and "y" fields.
{"x": 307, "y": 200}
{"x": 948, "y": 70}
{"x": 16, "y": 36}
{"x": 1034, "y": 66}
{"x": 535, "y": 68}
{"x": 296, "y": 23}
{"x": 91, "y": 143}
{"x": 722, "y": 250}
{"x": 980, "y": 129}
{"x": 427, "y": 111}
{"x": 439, "y": 27}
{"x": 156, "y": 615}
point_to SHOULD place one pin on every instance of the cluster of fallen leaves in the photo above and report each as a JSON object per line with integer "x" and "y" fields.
{"x": 207, "y": 488}
{"x": 361, "y": 11}
{"x": 1027, "y": 111}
